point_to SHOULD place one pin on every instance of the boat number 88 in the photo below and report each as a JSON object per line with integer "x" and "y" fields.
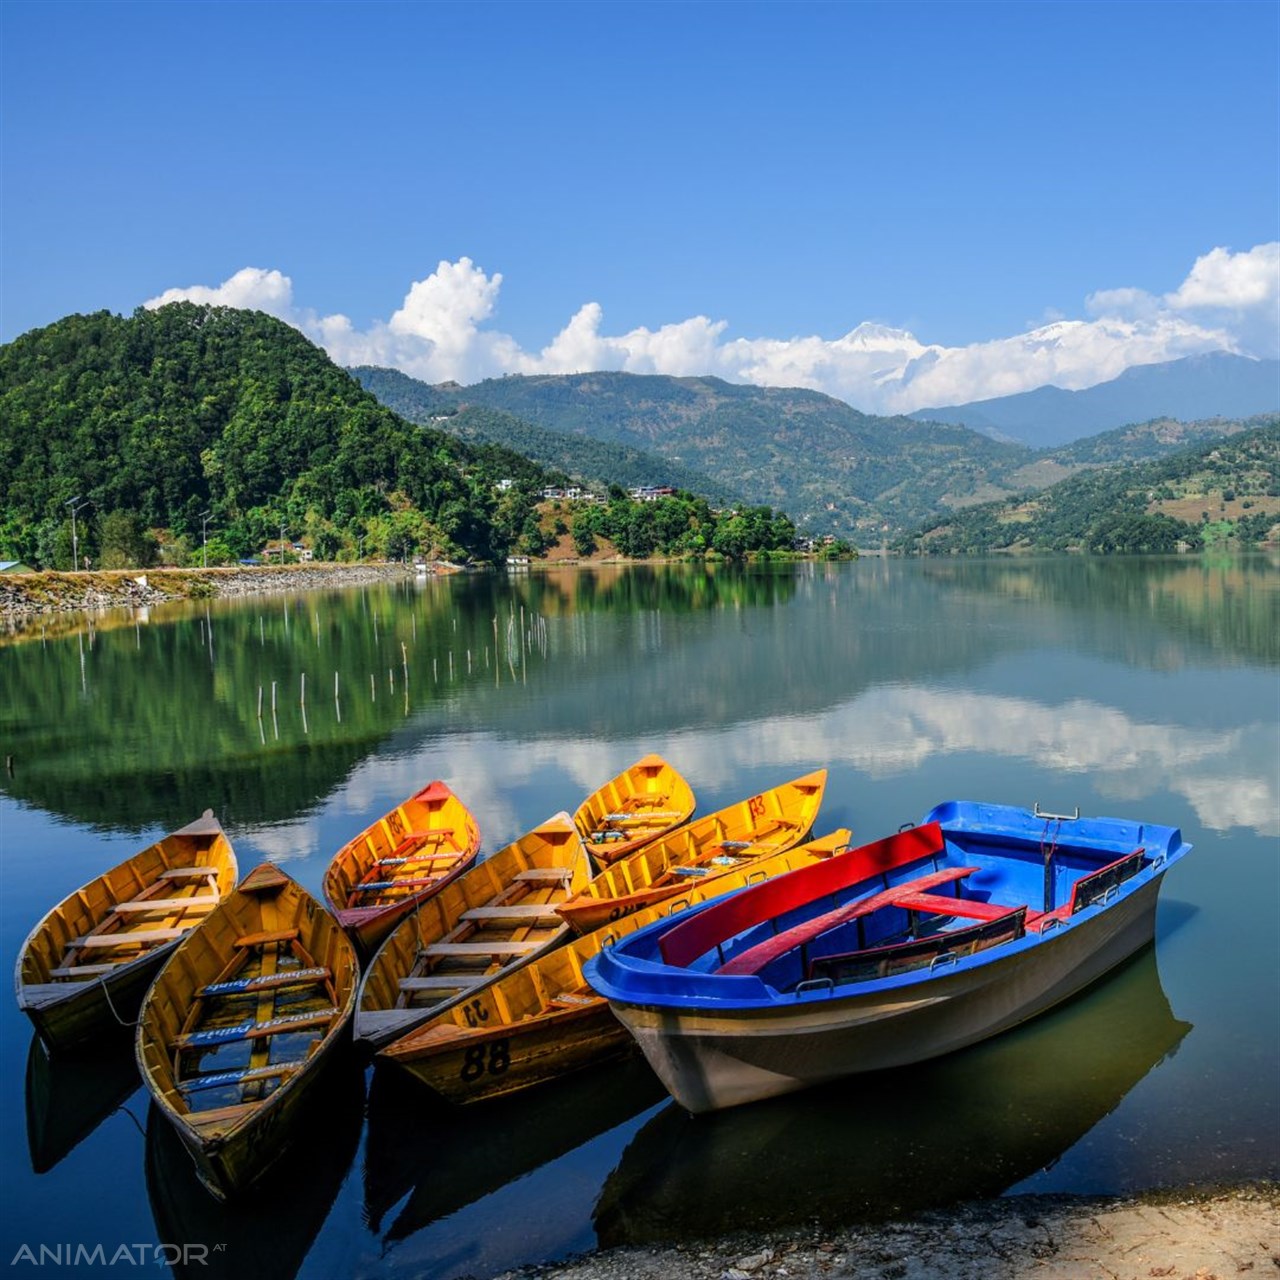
{"x": 494, "y": 1058}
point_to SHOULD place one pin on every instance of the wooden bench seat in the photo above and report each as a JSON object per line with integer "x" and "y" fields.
{"x": 442, "y": 949}
{"x": 442, "y": 982}
{"x": 283, "y": 1025}
{"x": 545, "y": 875}
{"x": 267, "y": 982}
{"x": 267, "y": 938}
{"x": 82, "y": 970}
{"x": 188, "y": 873}
{"x": 755, "y": 958}
{"x": 139, "y": 938}
{"x": 206, "y": 901}
{"x": 517, "y": 912}
{"x": 409, "y": 882}
{"x": 220, "y": 1079}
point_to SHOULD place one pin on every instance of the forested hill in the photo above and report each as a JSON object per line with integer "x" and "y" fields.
{"x": 830, "y": 467}
{"x": 1225, "y": 491}
{"x": 598, "y": 462}
{"x": 155, "y": 419}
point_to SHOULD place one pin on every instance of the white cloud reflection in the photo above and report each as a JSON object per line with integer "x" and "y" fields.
{"x": 1227, "y": 777}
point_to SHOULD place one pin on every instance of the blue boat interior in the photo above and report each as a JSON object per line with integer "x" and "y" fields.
{"x": 971, "y": 877}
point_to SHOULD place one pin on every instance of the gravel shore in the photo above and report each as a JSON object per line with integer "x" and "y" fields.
{"x": 1186, "y": 1235}
{"x": 28, "y": 595}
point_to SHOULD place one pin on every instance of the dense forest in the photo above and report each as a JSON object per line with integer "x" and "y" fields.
{"x": 1224, "y": 491}
{"x": 199, "y": 434}
{"x": 598, "y": 463}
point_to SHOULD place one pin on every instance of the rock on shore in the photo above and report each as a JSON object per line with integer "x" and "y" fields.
{"x": 1214, "y": 1236}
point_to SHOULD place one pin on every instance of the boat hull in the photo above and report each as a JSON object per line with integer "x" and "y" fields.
{"x": 75, "y": 990}
{"x": 396, "y": 863}
{"x": 272, "y": 974}
{"x": 645, "y": 801}
{"x": 481, "y": 1064}
{"x": 714, "y": 1059}
{"x": 506, "y": 903}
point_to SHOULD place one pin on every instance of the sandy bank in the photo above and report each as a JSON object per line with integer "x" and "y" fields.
{"x": 1210, "y": 1236}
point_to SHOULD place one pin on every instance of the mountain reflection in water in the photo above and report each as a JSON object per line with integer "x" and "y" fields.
{"x": 868, "y": 1148}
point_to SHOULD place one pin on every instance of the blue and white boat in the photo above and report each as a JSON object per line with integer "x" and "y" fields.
{"x": 916, "y": 945}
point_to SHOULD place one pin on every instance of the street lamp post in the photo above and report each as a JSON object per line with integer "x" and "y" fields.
{"x": 204, "y": 538}
{"x": 76, "y": 504}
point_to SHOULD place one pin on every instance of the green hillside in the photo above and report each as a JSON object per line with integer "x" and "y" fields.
{"x": 832, "y": 468}
{"x": 597, "y": 463}
{"x": 155, "y": 419}
{"x": 1226, "y": 490}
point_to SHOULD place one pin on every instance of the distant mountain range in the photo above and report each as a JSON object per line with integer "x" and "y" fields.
{"x": 831, "y": 468}
{"x": 1217, "y": 385}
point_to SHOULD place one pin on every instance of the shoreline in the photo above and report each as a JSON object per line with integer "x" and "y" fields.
{"x": 25, "y": 595}
{"x": 1188, "y": 1234}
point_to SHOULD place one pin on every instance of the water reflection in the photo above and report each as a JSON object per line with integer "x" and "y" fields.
{"x": 444, "y": 1158}
{"x": 267, "y": 1234}
{"x": 68, "y": 1097}
{"x": 966, "y": 1126}
{"x": 262, "y": 708}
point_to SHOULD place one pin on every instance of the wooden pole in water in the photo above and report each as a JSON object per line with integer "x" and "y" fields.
{"x": 302, "y": 692}
{"x": 273, "y": 699}
{"x": 373, "y": 693}
{"x": 259, "y": 702}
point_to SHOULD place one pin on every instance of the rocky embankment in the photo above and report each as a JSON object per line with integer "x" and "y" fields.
{"x": 1214, "y": 1236}
{"x": 28, "y": 594}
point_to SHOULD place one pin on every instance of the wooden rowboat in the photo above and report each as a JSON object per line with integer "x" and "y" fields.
{"x": 640, "y": 804}
{"x": 88, "y": 963}
{"x": 757, "y": 827}
{"x": 494, "y": 917}
{"x": 917, "y": 945}
{"x": 544, "y": 1020}
{"x": 411, "y": 852}
{"x": 235, "y": 1030}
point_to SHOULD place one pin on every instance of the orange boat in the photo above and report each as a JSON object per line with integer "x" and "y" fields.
{"x": 642, "y": 803}
{"x": 757, "y": 827}
{"x": 411, "y": 852}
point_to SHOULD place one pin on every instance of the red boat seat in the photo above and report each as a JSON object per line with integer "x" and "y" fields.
{"x": 940, "y": 904}
{"x": 753, "y": 959}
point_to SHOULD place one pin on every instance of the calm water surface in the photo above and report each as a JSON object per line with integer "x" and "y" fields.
{"x": 1145, "y": 689}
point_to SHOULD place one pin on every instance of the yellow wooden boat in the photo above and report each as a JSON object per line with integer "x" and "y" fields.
{"x": 498, "y": 915}
{"x": 89, "y": 961}
{"x": 640, "y": 804}
{"x": 235, "y": 1030}
{"x": 757, "y": 827}
{"x": 411, "y": 852}
{"x": 543, "y": 1020}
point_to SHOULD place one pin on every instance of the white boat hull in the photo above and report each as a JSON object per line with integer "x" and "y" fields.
{"x": 712, "y": 1059}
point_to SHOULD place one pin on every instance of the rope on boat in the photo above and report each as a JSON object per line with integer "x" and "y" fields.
{"x": 106, "y": 992}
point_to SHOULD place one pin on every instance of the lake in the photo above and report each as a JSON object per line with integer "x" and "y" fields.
{"x": 1139, "y": 688}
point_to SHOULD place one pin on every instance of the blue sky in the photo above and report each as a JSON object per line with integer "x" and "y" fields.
{"x": 689, "y": 188}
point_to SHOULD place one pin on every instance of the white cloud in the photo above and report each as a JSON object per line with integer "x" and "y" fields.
{"x": 1228, "y": 302}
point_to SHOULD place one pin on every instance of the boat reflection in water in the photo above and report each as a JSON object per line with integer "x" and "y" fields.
{"x": 444, "y": 1158}
{"x": 969, "y": 1125}
{"x": 69, "y": 1095}
{"x": 267, "y": 1235}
